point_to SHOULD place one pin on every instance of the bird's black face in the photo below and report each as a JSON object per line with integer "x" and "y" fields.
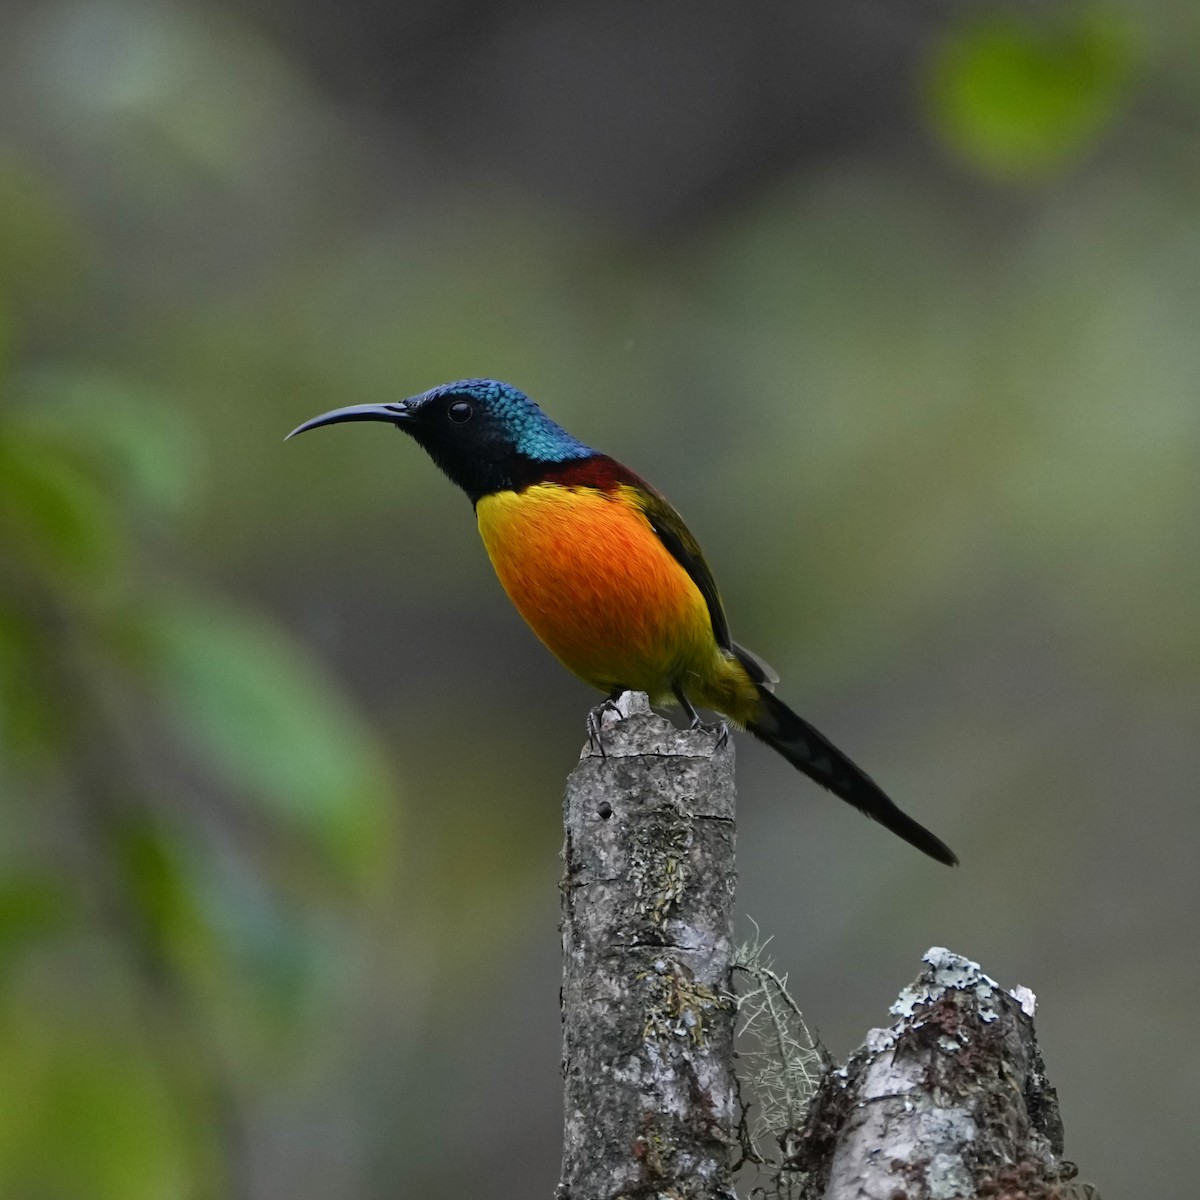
{"x": 467, "y": 440}
{"x": 461, "y": 432}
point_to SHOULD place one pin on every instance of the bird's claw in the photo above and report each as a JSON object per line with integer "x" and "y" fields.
{"x": 688, "y": 708}
{"x": 595, "y": 723}
{"x": 595, "y": 744}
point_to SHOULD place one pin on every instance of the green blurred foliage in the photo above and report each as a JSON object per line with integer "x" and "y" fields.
{"x": 195, "y": 819}
{"x": 1022, "y": 97}
{"x": 254, "y": 711}
{"x": 125, "y": 1130}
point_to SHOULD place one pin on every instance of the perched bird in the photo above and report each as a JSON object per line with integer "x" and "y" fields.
{"x": 608, "y": 576}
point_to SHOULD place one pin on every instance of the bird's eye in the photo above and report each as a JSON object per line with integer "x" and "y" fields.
{"x": 460, "y": 411}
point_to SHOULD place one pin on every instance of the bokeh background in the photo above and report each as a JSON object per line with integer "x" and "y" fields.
{"x": 898, "y": 301}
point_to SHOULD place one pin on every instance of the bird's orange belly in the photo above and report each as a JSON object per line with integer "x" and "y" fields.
{"x": 596, "y": 585}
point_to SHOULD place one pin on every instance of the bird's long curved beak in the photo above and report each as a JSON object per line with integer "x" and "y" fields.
{"x": 394, "y": 414}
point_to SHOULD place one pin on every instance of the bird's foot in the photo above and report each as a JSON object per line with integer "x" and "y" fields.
{"x": 595, "y": 720}
{"x": 595, "y": 742}
{"x": 686, "y": 705}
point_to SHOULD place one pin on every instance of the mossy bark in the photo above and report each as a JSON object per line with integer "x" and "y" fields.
{"x": 950, "y": 1101}
{"x": 647, "y": 925}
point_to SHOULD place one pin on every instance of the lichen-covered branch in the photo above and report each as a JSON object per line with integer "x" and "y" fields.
{"x": 647, "y": 913}
{"x": 779, "y": 1066}
{"x": 950, "y": 1101}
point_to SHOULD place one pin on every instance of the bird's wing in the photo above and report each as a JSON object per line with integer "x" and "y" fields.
{"x": 684, "y": 548}
{"x": 758, "y": 669}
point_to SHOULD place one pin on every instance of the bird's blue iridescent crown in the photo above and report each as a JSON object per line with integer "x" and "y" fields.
{"x": 533, "y": 433}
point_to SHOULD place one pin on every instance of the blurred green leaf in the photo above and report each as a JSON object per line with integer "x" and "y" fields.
{"x": 256, "y": 962}
{"x": 280, "y": 961}
{"x": 55, "y": 519}
{"x": 1020, "y": 99}
{"x": 30, "y": 722}
{"x": 33, "y": 907}
{"x": 140, "y": 441}
{"x": 117, "y": 1133}
{"x": 153, "y": 866}
{"x": 255, "y": 709}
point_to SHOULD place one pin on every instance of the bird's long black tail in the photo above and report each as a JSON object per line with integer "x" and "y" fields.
{"x": 822, "y": 761}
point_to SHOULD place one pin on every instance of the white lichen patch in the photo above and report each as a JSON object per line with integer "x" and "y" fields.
{"x": 949, "y": 972}
{"x": 886, "y": 1079}
{"x": 1026, "y": 999}
{"x": 947, "y": 1177}
{"x": 878, "y": 1040}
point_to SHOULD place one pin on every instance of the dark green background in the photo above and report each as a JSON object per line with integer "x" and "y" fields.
{"x": 896, "y": 301}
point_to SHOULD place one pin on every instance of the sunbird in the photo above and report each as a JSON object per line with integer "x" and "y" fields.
{"x": 609, "y": 577}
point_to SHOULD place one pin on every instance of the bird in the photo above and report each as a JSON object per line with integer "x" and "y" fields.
{"x": 609, "y": 577}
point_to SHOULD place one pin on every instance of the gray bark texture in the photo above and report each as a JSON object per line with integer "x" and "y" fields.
{"x": 951, "y": 1101}
{"x": 651, "y": 1104}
